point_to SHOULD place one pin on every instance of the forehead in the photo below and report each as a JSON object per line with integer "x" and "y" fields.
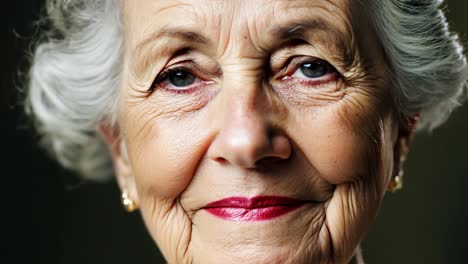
{"x": 247, "y": 20}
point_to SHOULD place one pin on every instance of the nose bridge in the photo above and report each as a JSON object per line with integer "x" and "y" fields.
{"x": 244, "y": 133}
{"x": 244, "y": 85}
{"x": 247, "y": 131}
{"x": 247, "y": 106}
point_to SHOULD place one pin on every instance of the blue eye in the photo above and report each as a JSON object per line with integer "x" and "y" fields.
{"x": 312, "y": 70}
{"x": 180, "y": 78}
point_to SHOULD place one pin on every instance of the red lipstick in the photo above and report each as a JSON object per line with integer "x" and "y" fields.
{"x": 253, "y": 209}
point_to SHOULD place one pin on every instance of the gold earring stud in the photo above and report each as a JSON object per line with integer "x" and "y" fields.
{"x": 128, "y": 203}
{"x": 396, "y": 183}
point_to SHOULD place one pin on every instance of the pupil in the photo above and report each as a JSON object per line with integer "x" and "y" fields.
{"x": 314, "y": 70}
{"x": 181, "y": 78}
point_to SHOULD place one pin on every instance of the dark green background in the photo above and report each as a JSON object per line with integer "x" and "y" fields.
{"x": 58, "y": 219}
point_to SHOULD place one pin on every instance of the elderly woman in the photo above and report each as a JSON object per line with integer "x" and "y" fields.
{"x": 245, "y": 131}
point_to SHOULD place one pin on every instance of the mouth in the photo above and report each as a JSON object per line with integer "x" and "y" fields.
{"x": 258, "y": 208}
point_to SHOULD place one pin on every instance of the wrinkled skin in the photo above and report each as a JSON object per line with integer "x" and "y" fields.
{"x": 250, "y": 123}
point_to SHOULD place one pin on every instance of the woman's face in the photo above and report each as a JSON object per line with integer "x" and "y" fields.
{"x": 255, "y": 131}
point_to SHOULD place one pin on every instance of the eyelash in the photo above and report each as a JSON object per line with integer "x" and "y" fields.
{"x": 285, "y": 75}
{"x": 164, "y": 75}
{"x": 295, "y": 63}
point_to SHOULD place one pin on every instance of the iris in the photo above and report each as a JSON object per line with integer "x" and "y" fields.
{"x": 181, "y": 78}
{"x": 314, "y": 70}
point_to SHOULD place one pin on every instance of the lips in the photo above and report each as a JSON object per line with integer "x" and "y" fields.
{"x": 257, "y": 208}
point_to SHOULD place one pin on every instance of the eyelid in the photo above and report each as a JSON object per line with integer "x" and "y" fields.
{"x": 280, "y": 58}
{"x": 163, "y": 75}
{"x": 185, "y": 65}
{"x": 293, "y": 63}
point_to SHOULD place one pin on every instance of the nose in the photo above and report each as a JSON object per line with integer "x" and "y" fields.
{"x": 250, "y": 133}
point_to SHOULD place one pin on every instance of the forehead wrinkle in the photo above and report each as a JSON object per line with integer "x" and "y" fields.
{"x": 145, "y": 39}
{"x": 236, "y": 39}
{"x": 289, "y": 25}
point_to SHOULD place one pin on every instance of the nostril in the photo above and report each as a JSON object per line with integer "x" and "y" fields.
{"x": 220, "y": 160}
{"x": 264, "y": 162}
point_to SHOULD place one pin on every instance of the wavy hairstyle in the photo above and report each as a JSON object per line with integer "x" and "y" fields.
{"x": 76, "y": 66}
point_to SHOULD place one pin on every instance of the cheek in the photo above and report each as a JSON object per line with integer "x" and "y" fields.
{"x": 340, "y": 148}
{"x": 163, "y": 156}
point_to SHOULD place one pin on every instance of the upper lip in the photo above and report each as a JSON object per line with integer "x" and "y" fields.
{"x": 255, "y": 202}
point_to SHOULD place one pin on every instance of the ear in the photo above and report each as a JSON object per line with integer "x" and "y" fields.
{"x": 122, "y": 167}
{"x": 406, "y": 132}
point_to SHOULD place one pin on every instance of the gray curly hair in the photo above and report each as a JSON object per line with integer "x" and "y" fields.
{"x": 75, "y": 73}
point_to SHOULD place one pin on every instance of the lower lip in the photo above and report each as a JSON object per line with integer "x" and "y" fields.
{"x": 237, "y": 213}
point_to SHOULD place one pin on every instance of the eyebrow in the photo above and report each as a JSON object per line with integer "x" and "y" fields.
{"x": 337, "y": 42}
{"x": 174, "y": 32}
{"x": 301, "y": 28}
{"x": 143, "y": 56}
{"x": 290, "y": 31}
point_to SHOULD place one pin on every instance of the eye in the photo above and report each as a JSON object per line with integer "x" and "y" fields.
{"x": 181, "y": 78}
{"x": 178, "y": 78}
{"x": 313, "y": 70}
